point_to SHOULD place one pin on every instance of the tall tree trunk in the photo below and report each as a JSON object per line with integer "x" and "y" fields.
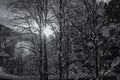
{"x": 45, "y": 60}
{"x": 45, "y": 48}
{"x": 96, "y": 65}
{"x": 40, "y": 64}
{"x": 40, "y": 23}
{"x": 60, "y": 43}
{"x": 67, "y": 67}
{"x": 60, "y": 67}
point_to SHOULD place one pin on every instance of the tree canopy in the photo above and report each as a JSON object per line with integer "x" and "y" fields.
{"x": 113, "y": 11}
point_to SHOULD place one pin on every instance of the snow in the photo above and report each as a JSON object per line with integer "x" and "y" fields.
{"x": 7, "y": 76}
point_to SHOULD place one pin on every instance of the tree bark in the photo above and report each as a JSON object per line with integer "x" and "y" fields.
{"x": 45, "y": 60}
{"x": 60, "y": 43}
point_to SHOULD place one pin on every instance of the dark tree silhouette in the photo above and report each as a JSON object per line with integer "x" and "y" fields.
{"x": 113, "y": 11}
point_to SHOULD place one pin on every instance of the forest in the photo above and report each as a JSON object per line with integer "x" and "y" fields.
{"x": 62, "y": 40}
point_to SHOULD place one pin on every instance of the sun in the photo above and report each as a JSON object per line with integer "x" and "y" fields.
{"x": 47, "y": 31}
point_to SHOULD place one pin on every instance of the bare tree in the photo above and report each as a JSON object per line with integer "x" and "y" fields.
{"x": 28, "y": 15}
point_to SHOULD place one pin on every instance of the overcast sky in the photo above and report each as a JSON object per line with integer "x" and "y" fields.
{"x": 4, "y": 12}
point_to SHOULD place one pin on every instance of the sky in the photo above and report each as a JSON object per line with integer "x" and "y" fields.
{"x": 4, "y": 12}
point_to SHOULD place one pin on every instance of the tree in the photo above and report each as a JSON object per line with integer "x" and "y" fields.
{"x": 112, "y": 11}
{"x": 5, "y": 40}
{"x": 31, "y": 16}
{"x": 7, "y": 46}
{"x": 59, "y": 10}
{"x": 83, "y": 39}
{"x": 94, "y": 39}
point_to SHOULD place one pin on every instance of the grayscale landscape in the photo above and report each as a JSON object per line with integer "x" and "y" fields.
{"x": 59, "y": 39}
